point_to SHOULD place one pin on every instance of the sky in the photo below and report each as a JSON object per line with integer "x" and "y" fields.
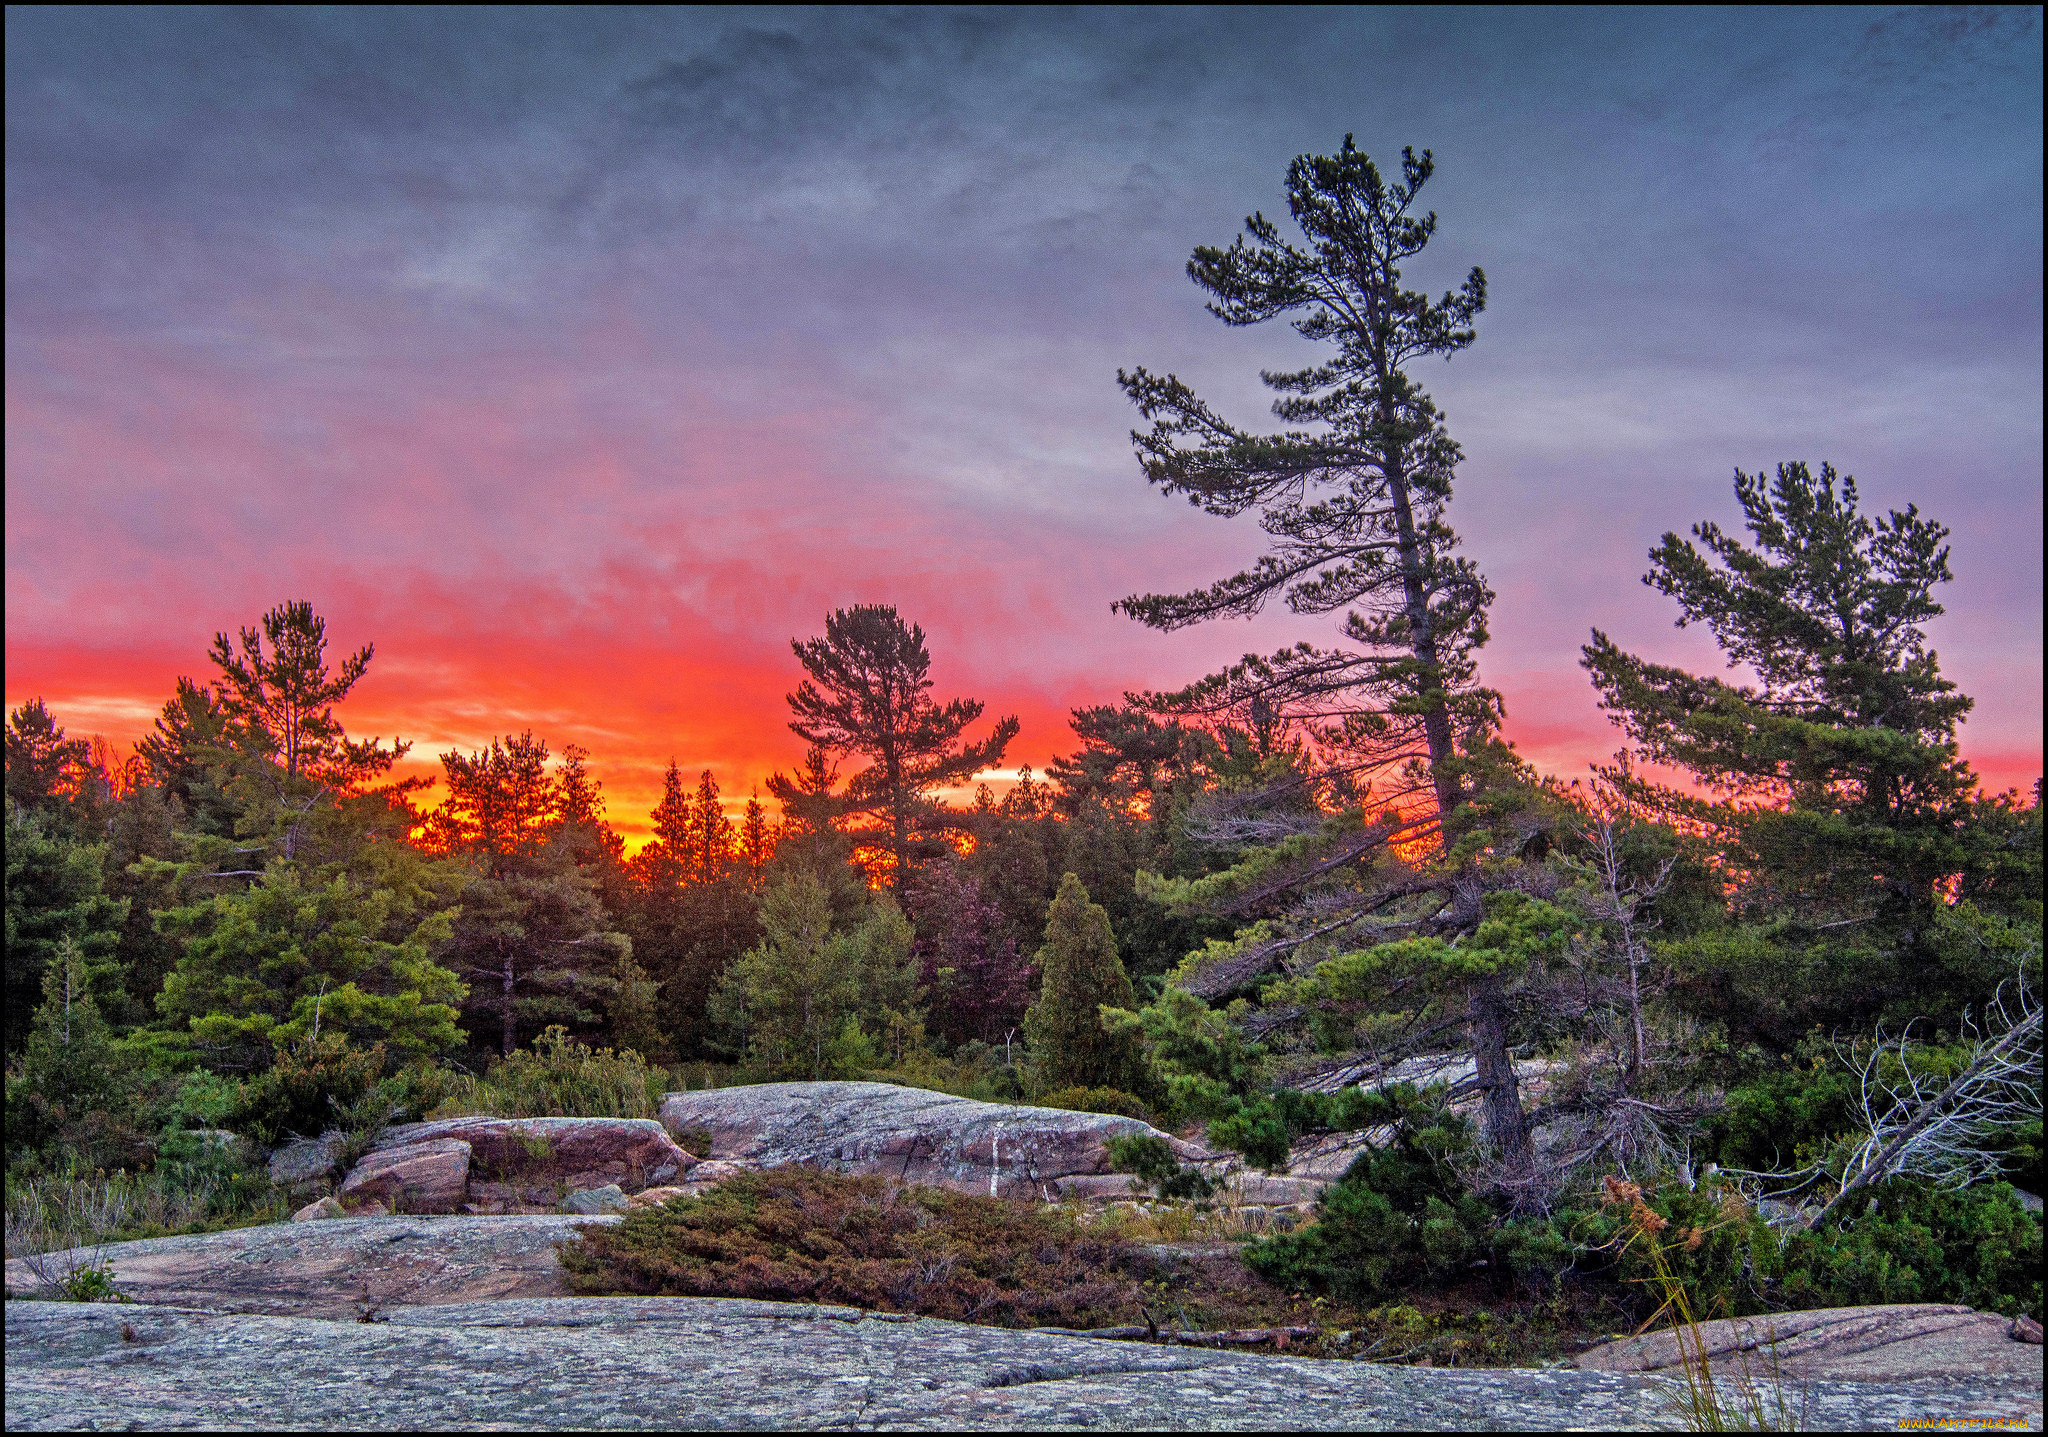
{"x": 582, "y": 359}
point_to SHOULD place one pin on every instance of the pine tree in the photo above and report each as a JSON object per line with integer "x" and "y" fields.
{"x": 186, "y": 755}
{"x": 869, "y": 693}
{"x": 297, "y": 953}
{"x": 537, "y": 948}
{"x": 1081, "y": 975}
{"x": 502, "y": 805}
{"x": 1363, "y": 793}
{"x": 281, "y": 759}
{"x": 1837, "y": 794}
{"x": 282, "y": 701}
{"x": 1356, "y": 507}
{"x": 43, "y": 766}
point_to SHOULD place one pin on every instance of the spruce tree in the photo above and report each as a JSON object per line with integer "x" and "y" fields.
{"x": 814, "y": 996}
{"x": 1081, "y": 975}
{"x": 980, "y": 985}
{"x": 580, "y": 807}
{"x": 708, "y": 848}
{"x": 71, "y": 1080}
{"x": 869, "y": 693}
{"x": 56, "y": 895}
{"x": 755, "y": 842}
{"x": 660, "y": 867}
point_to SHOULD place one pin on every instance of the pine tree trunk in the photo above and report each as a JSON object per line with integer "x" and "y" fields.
{"x": 1507, "y": 1127}
{"x": 1436, "y": 719}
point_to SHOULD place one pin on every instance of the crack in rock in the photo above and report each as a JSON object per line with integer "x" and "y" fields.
{"x": 1032, "y": 1372}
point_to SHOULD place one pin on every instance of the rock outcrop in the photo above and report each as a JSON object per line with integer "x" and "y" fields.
{"x": 499, "y": 1165}
{"x": 917, "y": 1136}
{"x": 304, "y": 1161}
{"x": 431, "y": 1176}
{"x": 1904, "y": 1342}
{"x": 703, "y": 1363}
{"x": 335, "y": 1268}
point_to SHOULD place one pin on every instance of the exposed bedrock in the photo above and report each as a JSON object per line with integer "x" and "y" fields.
{"x": 916, "y": 1136}
{"x": 669, "y": 1363}
{"x": 335, "y": 1268}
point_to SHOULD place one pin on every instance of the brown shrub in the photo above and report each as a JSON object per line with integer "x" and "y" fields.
{"x": 798, "y": 1235}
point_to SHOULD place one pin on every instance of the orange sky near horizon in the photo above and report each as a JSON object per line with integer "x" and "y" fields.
{"x": 636, "y": 711}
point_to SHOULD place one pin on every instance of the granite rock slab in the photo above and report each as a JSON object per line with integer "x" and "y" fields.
{"x": 430, "y": 1176}
{"x": 334, "y": 1268}
{"x": 1896, "y": 1342}
{"x": 306, "y": 1160}
{"x": 669, "y": 1363}
{"x": 913, "y": 1135}
{"x": 576, "y": 1153}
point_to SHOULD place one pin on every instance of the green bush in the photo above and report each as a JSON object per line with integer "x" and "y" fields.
{"x": 1143, "y": 1156}
{"x": 1399, "y": 1217}
{"x": 1977, "y": 1247}
{"x": 309, "y": 1088}
{"x": 560, "y": 1078}
{"x": 1788, "y": 1117}
{"x": 91, "y": 1283}
{"x": 1147, "y": 1156}
{"x": 415, "y": 1091}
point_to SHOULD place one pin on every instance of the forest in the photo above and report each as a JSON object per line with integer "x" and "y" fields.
{"x": 1766, "y": 987}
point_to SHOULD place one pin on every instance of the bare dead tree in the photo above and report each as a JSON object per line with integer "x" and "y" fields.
{"x": 1616, "y": 903}
{"x": 1912, "y": 1124}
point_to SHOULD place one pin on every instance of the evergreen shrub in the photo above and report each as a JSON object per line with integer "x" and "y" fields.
{"x": 1399, "y": 1218}
{"x": 309, "y": 1088}
{"x": 560, "y": 1077}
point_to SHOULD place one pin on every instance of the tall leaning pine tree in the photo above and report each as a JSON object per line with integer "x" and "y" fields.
{"x": 1355, "y": 506}
{"x": 1392, "y": 870}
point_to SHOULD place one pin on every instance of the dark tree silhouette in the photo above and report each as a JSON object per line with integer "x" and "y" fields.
{"x": 869, "y": 694}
